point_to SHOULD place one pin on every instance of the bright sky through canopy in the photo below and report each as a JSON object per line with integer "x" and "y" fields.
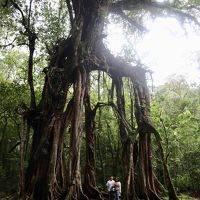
{"x": 166, "y": 49}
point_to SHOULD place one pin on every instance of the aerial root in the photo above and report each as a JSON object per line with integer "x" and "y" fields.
{"x": 92, "y": 192}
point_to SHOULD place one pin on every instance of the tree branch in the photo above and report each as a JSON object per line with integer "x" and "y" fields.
{"x": 133, "y": 5}
{"x": 125, "y": 122}
{"x": 18, "y": 143}
{"x": 134, "y": 23}
{"x": 120, "y": 12}
{"x": 9, "y": 44}
{"x": 32, "y": 36}
{"x": 29, "y": 15}
{"x": 70, "y": 13}
{"x": 103, "y": 60}
{"x": 174, "y": 11}
{"x": 24, "y": 22}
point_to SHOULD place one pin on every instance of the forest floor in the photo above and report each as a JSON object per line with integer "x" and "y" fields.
{"x": 181, "y": 196}
{"x": 186, "y": 196}
{"x": 196, "y": 195}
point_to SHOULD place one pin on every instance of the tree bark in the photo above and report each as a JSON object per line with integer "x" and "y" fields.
{"x": 89, "y": 184}
{"x": 68, "y": 65}
{"x": 127, "y": 145}
{"x": 146, "y": 189}
{"x": 170, "y": 187}
{"x": 48, "y": 121}
{"x": 74, "y": 176}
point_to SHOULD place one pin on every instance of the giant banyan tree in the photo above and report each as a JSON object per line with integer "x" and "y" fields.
{"x": 49, "y": 175}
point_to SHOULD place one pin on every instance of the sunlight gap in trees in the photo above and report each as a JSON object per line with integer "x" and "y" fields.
{"x": 168, "y": 47}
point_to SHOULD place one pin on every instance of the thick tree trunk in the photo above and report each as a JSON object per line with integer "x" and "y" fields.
{"x": 89, "y": 184}
{"x": 89, "y": 177}
{"x": 41, "y": 171}
{"x": 146, "y": 189}
{"x": 48, "y": 121}
{"x": 45, "y": 174}
{"x": 127, "y": 146}
{"x": 74, "y": 176}
{"x": 146, "y": 176}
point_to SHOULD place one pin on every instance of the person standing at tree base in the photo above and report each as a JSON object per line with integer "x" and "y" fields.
{"x": 117, "y": 186}
{"x": 110, "y": 183}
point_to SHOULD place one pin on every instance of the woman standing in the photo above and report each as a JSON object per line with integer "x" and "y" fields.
{"x": 118, "y": 188}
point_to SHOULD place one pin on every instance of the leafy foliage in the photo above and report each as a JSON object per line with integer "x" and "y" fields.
{"x": 12, "y": 95}
{"x": 175, "y": 107}
{"x": 175, "y": 110}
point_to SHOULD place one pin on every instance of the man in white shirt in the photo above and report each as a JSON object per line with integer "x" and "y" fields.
{"x": 110, "y": 183}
